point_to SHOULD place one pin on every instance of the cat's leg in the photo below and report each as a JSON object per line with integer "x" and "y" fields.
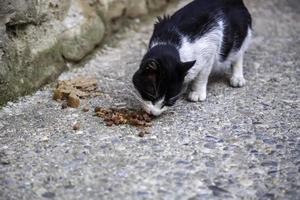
{"x": 199, "y": 85}
{"x": 237, "y": 79}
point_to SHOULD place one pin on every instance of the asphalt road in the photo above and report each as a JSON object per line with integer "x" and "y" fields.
{"x": 239, "y": 144}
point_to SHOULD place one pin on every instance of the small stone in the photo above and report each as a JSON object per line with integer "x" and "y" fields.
{"x": 64, "y": 105}
{"x": 269, "y": 164}
{"x": 45, "y": 139}
{"x": 4, "y": 161}
{"x": 85, "y": 109}
{"x": 49, "y": 195}
{"x": 256, "y": 122}
{"x": 141, "y": 134}
{"x": 270, "y": 196}
{"x": 147, "y": 132}
{"x": 273, "y": 79}
{"x": 109, "y": 123}
{"x": 69, "y": 186}
{"x": 217, "y": 190}
{"x": 76, "y": 127}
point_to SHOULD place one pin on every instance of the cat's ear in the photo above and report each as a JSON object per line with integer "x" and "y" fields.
{"x": 151, "y": 69}
{"x": 186, "y": 66}
{"x": 151, "y": 65}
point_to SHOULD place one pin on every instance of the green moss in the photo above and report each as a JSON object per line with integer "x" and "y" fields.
{"x": 26, "y": 76}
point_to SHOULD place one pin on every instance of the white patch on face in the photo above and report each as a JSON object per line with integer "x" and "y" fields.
{"x": 155, "y": 109}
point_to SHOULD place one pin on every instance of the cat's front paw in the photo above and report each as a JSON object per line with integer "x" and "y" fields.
{"x": 237, "y": 81}
{"x": 197, "y": 96}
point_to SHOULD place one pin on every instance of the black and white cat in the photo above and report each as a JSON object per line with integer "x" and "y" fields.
{"x": 203, "y": 36}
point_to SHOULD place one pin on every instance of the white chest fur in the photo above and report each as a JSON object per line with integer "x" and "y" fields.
{"x": 204, "y": 50}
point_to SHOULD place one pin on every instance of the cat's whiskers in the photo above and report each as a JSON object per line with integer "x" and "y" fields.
{"x": 138, "y": 97}
{"x": 131, "y": 90}
{"x": 155, "y": 90}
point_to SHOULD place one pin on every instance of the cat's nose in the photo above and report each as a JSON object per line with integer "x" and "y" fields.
{"x": 151, "y": 112}
{"x": 157, "y": 112}
{"x": 169, "y": 103}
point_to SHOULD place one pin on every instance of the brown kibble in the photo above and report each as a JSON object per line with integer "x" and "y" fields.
{"x": 73, "y": 101}
{"x": 109, "y": 123}
{"x": 57, "y": 95}
{"x": 76, "y": 127}
{"x": 140, "y": 117}
{"x": 113, "y": 116}
{"x": 146, "y": 117}
{"x": 134, "y": 115}
{"x": 137, "y": 122}
{"x": 85, "y": 109}
{"x": 98, "y": 109}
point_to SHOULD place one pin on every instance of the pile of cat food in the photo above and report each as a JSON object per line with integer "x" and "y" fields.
{"x": 114, "y": 116}
{"x": 71, "y": 91}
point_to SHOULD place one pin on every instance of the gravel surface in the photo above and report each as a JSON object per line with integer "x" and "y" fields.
{"x": 239, "y": 144}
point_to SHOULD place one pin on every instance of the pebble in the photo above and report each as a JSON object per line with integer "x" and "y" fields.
{"x": 4, "y": 161}
{"x": 76, "y": 126}
{"x": 45, "y": 139}
{"x": 217, "y": 191}
{"x": 49, "y": 195}
{"x": 141, "y": 134}
{"x": 85, "y": 109}
{"x": 64, "y": 105}
{"x": 269, "y": 163}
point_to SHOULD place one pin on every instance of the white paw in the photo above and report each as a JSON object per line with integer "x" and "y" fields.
{"x": 237, "y": 81}
{"x": 197, "y": 96}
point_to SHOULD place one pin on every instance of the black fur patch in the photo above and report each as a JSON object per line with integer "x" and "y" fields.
{"x": 201, "y": 16}
{"x": 165, "y": 31}
{"x": 238, "y": 21}
{"x": 167, "y": 80}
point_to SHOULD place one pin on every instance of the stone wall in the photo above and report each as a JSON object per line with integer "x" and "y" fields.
{"x": 37, "y": 38}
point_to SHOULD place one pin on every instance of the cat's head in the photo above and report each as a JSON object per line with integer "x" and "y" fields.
{"x": 160, "y": 78}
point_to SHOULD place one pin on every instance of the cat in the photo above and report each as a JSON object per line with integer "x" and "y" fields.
{"x": 185, "y": 48}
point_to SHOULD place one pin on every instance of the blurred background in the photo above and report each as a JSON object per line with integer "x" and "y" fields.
{"x": 38, "y": 38}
